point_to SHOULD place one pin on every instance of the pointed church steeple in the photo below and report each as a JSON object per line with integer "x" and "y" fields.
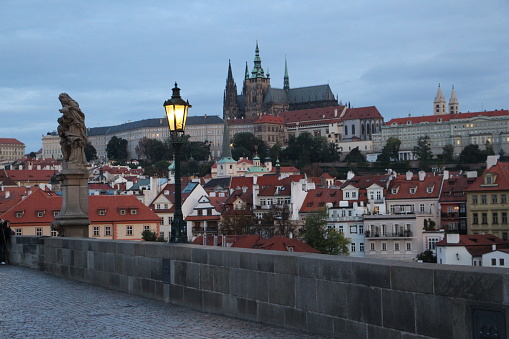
{"x": 247, "y": 72}
{"x": 230, "y": 103}
{"x": 257, "y": 71}
{"x": 286, "y": 85}
{"x": 453, "y": 103}
{"x": 439, "y": 105}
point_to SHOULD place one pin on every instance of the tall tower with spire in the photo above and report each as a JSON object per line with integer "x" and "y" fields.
{"x": 256, "y": 86}
{"x": 286, "y": 85}
{"x": 453, "y": 103}
{"x": 439, "y": 105}
{"x": 230, "y": 104}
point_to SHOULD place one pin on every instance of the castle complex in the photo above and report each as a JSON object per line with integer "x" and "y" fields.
{"x": 259, "y": 98}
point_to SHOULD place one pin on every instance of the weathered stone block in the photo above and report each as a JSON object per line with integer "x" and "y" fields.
{"x": 408, "y": 277}
{"x": 231, "y": 258}
{"x": 212, "y": 302}
{"x": 319, "y": 323}
{"x": 271, "y": 314}
{"x": 331, "y": 298}
{"x": 364, "y": 304}
{"x": 265, "y": 262}
{"x": 433, "y": 316}
{"x": 398, "y": 310}
{"x": 247, "y": 309}
{"x": 281, "y": 289}
{"x": 470, "y": 283}
{"x": 156, "y": 272}
{"x": 180, "y": 252}
{"x": 193, "y": 298}
{"x": 286, "y": 264}
{"x": 295, "y": 319}
{"x": 248, "y": 261}
{"x": 206, "y": 278}
{"x": 199, "y": 255}
{"x": 176, "y": 294}
{"x": 382, "y": 332}
{"x": 306, "y": 295}
{"x": 90, "y": 260}
{"x": 215, "y": 256}
{"x": 347, "y": 329}
{"x": 370, "y": 274}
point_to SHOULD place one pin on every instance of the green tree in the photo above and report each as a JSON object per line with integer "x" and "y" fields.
{"x": 117, "y": 149}
{"x": 317, "y": 235}
{"x": 448, "y": 153}
{"x": 32, "y": 155}
{"x": 355, "y": 155}
{"x": 306, "y": 149}
{"x": 472, "y": 154}
{"x": 248, "y": 143}
{"x": 390, "y": 152}
{"x": 90, "y": 152}
{"x": 237, "y": 222}
{"x": 488, "y": 149}
{"x": 503, "y": 156}
{"x": 423, "y": 151}
{"x": 427, "y": 256}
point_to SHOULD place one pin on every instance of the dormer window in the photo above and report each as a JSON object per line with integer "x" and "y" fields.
{"x": 429, "y": 189}
{"x": 412, "y": 190}
{"x": 488, "y": 179}
{"x": 55, "y": 213}
{"x": 394, "y": 191}
{"x": 123, "y": 212}
{"x": 134, "y": 211}
{"x": 19, "y": 214}
{"x": 40, "y": 214}
{"x": 101, "y": 212}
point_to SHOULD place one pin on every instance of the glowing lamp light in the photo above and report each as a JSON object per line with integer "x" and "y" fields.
{"x": 176, "y": 112}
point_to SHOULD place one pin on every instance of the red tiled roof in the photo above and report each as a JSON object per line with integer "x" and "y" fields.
{"x": 40, "y": 201}
{"x": 31, "y": 175}
{"x": 474, "y": 240}
{"x": 312, "y": 115}
{"x": 369, "y": 112}
{"x": 445, "y": 117}
{"x": 317, "y": 199}
{"x": 501, "y": 171}
{"x": 420, "y": 187}
{"x": 277, "y": 243}
{"x": 270, "y": 119}
{"x": 10, "y": 141}
{"x": 247, "y": 121}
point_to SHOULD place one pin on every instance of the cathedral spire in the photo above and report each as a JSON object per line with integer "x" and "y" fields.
{"x": 453, "y": 103}
{"x": 257, "y": 71}
{"x": 247, "y": 72}
{"x": 230, "y": 104}
{"x": 439, "y": 103}
{"x": 286, "y": 85}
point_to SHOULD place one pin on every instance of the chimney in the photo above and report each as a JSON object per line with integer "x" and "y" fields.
{"x": 7, "y": 194}
{"x": 335, "y": 112}
{"x": 446, "y": 174}
{"x": 350, "y": 175}
{"x": 453, "y": 238}
{"x": 422, "y": 174}
{"x": 409, "y": 175}
{"x": 494, "y": 247}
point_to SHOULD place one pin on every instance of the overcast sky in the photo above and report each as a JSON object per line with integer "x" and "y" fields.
{"x": 119, "y": 59}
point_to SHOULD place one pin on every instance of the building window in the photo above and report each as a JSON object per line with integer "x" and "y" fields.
{"x": 19, "y": 214}
{"x": 503, "y": 198}
{"x": 96, "y": 231}
{"x": 494, "y": 199}
{"x": 504, "y": 235}
{"x": 122, "y": 212}
{"x": 475, "y": 218}
{"x": 54, "y": 233}
{"x": 493, "y": 262}
{"x": 19, "y": 231}
{"x": 495, "y": 218}
{"x": 474, "y": 199}
{"x": 134, "y": 211}
{"x": 40, "y": 214}
{"x": 396, "y": 246}
{"x": 372, "y": 246}
{"x": 146, "y": 227}
{"x": 161, "y": 234}
{"x": 361, "y": 247}
{"x": 340, "y": 229}
{"x": 412, "y": 190}
{"x": 347, "y": 194}
{"x": 484, "y": 217}
{"x": 38, "y": 231}
{"x": 384, "y": 246}
{"x": 483, "y": 199}
{"x": 501, "y": 262}
{"x": 353, "y": 229}
{"x": 352, "y": 247}
{"x": 361, "y": 229}
{"x": 504, "y": 217}
{"x": 421, "y": 207}
{"x": 432, "y": 243}
{"x": 162, "y": 221}
{"x": 129, "y": 230}
{"x": 408, "y": 246}
{"x": 107, "y": 231}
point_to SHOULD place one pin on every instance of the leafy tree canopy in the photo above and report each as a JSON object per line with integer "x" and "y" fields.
{"x": 472, "y": 154}
{"x": 355, "y": 155}
{"x": 117, "y": 149}
{"x": 317, "y": 235}
{"x": 90, "y": 152}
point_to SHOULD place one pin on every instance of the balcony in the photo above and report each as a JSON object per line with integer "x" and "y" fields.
{"x": 380, "y": 235}
{"x": 451, "y": 215}
{"x": 342, "y": 219}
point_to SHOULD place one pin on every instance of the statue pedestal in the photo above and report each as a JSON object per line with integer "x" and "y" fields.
{"x": 72, "y": 221}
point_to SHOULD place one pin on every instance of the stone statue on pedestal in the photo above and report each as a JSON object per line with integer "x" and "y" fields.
{"x": 72, "y": 221}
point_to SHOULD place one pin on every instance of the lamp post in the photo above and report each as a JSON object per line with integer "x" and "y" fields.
{"x": 176, "y": 113}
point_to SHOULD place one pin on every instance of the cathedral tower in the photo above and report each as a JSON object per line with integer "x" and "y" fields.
{"x": 256, "y": 86}
{"x": 230, "y": 104}
{"x": 453, "y": 103}
{"x": 439, "y": 105}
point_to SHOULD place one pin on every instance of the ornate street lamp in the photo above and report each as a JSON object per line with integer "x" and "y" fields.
{"x": 176, "y": 113}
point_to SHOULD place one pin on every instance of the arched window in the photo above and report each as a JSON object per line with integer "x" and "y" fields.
{"x": 373, "y": 126}
{"x": 346, "y": 130}
{"x": 362, "y": 129}
{"x": 353, "y": 129}
{"x": 368, "y": 129}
